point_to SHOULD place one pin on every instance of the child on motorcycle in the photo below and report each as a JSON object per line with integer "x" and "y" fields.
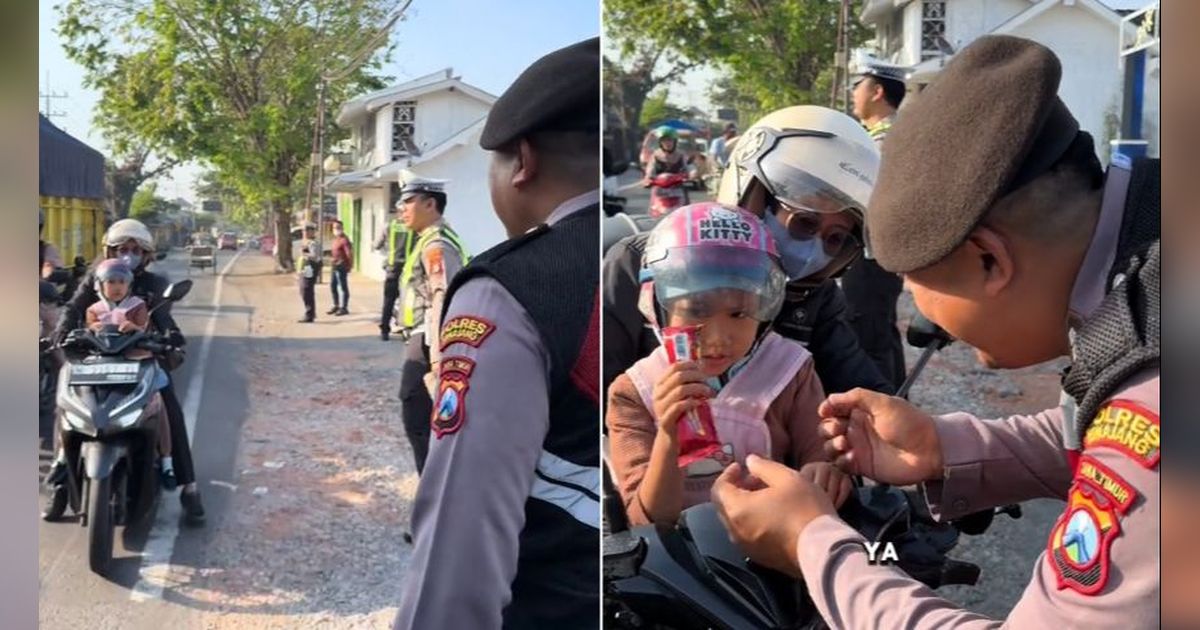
{"x": 715, "y": 267}
{"x": 129, "y": 313}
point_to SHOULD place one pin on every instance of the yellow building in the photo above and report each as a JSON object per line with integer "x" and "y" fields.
{"x": 71, "y": 193}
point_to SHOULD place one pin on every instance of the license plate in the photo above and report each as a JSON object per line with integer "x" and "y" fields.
{"x": 670, "y": 193}
{"x": 104, "y": 373}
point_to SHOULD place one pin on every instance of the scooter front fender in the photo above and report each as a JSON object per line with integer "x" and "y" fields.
{"x": 99, "y": 458}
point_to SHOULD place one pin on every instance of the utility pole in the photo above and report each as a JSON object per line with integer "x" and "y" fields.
{"x": 838, "y": 87}
{"x": 46, "y": 96}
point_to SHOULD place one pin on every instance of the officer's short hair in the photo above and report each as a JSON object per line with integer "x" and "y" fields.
{"x": 570, "y": 155}
{"x": 439, "y": 200}
{"x": 893, "y": 90}
{"x": 1053, "y": 205}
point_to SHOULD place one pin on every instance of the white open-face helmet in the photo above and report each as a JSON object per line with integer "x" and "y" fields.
{"x": 799, "y": 152}
{"x": 129, "y": 229}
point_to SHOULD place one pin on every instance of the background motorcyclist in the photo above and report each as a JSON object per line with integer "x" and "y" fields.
{"x": 808, "y": 171}
{"x": 130, "y": 241}
{"x": 49, "y": 260}
{"x": 666, "y": 158}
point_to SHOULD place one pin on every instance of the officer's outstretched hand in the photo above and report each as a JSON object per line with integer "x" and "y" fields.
{"x": 765, "y": 506}
{"x": 881, "y": 437}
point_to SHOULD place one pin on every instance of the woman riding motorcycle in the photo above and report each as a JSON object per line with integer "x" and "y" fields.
{"x": 808, "y": 171}
{"x": 666, "y": 158}
{"x": 130, "y": 241}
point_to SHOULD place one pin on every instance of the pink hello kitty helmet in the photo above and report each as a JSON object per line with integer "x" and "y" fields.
{"x": 706, "y": 247}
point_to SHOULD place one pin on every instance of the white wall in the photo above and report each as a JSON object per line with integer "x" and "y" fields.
{"x": 469, "y": 203}
{"x": 444, "y": 113}
{"x": 1086, "y": 44}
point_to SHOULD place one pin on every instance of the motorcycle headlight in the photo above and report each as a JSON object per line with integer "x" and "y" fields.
{"x": 78, "y": 423}
{"x": 127, "y": 419}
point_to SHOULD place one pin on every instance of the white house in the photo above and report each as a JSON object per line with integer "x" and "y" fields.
{"x": 429, "y": 126}
{"x": 924, "y": 34}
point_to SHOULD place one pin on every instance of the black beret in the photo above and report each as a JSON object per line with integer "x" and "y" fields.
{"x": 559, "y": 92}
{"x": 990, "y": 122}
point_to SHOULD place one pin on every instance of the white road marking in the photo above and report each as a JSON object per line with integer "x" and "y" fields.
{"x": 160, "y": 546}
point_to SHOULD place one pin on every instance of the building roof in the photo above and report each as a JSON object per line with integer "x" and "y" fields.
{"x": 66, "y": 166}
{"x": 434, "y": 82}
{"x": 1095, "y": 6}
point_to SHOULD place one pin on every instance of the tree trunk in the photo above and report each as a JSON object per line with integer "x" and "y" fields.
{"x": 283, "y": 237}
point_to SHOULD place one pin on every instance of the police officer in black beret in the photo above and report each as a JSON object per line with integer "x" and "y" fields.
{"x": 992, "y": 203}
{"x": 507, "y": 514}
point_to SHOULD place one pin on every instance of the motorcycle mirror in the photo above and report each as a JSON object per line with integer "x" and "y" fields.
{"x": 177, "y": 290}
{"x": 160, "y": 256}
{"x": 923, "y": 333}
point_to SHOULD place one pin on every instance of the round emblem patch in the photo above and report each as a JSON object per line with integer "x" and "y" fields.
{"x": 723, "y": 213}
{"x": 448, "y": 405}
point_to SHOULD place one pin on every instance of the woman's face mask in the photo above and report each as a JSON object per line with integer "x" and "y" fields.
{"x": 800, "y": 258}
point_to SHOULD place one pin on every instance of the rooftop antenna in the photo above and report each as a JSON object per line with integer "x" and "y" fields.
{"x": 47, "y": 111}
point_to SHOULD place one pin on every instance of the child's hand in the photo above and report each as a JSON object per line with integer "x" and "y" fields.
{"x": 127, "y": 326}
{"x": 681, "y": 389}
{"x": 829, "y": 478}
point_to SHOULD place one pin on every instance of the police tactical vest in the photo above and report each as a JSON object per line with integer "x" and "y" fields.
{"x": 553, "y": 272}
{"x": 1121, "y": 338}
{"x": 412, "y": 279}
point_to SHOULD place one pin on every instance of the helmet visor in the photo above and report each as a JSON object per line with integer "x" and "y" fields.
{"x": 692, "y": 273}
{"x": 800, "y": 171}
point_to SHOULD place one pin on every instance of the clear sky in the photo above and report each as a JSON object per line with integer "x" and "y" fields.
{"x": 487, "y": 42}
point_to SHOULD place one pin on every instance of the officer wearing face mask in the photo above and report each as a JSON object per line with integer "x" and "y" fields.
{"x": 808, "y": 171}
{"x": 130, "y": 241}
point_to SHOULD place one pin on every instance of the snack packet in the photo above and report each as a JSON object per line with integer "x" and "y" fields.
{"x": 696, "y": 431}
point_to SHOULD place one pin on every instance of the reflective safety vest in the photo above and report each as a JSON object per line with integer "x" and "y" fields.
{"x": 394, "y": 229}
{"x": 409, "y": 317}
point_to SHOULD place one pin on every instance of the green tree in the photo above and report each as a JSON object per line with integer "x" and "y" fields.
{"x": 142, "y": 204}
{"x": 129, "y": 175}
{"x": 628, "y": 81}
{"x": 772, "y": 51}
{"x": 231, "y": 83}
{"x": 657, "y": 109}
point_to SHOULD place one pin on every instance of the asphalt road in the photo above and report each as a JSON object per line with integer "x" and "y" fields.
{"x": 213, "y": 393}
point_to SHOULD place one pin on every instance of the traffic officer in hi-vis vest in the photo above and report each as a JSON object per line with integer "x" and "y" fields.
{"x": 437, "y": 255}
{"x": 507, "y": 514}
{"x": 394, "y": 242}
{"x": 992, "y": 204}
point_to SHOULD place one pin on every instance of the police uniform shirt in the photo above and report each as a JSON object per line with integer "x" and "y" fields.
{"x": 438, "y": 263}
{"x": 470, "y": 507}
{"x": 1106, "y": 541}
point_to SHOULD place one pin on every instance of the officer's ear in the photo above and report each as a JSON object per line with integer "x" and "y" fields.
{"x": 993, "y": 259}
{"x": 525, "y": 163}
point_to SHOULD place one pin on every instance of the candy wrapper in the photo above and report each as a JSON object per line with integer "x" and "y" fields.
{"x": 696, "y": 431}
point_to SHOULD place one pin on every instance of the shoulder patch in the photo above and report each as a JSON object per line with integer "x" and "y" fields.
{"x": 434, "y": 263}
{"x": 467, "y": 329}
{"x": 1078, "y": 549}
{"x": 450, "y": 412}
{"x": 1129, "y": 428}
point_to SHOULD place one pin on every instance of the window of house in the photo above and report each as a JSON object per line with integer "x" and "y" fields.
{"x": 404, "y": 115}
{"x": 366, "y": 139}
{"x": 933, "y": 28}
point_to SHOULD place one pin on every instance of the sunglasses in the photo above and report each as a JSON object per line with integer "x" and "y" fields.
{"x": 804, "y": 224}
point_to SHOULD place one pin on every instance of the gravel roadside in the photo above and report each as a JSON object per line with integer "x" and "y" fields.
{"x": 313, "y": 538}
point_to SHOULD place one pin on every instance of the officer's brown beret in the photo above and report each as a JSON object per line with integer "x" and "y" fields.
{"x": 559, "y": 92}
{"x": 990, "y": 122}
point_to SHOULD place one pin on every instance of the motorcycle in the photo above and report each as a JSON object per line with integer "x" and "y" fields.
{"x": 667, "y": 193}
{"x": 693, "y": 576}
{"x": 109, "y": 412}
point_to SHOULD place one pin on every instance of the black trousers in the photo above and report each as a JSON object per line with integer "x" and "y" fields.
{"x": 340, "y": 281}
{"x": 871, "y": 293}
{"x": 181, "y": 451}
{"x": 308, "y": 295}
{"x": 416, "y": 407}
{"x": 391, "y": 293}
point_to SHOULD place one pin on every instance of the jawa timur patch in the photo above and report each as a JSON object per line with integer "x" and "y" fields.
{"x": 1079, "y": 550}
{"x": 450, "y": 406}
{"x": 1128, "y": 428}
